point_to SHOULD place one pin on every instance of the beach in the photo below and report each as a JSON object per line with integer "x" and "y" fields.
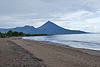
{"x": 12, "y": 55}
{"x": 18, "y": 52}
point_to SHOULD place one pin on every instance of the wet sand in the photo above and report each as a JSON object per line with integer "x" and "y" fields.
{"x": 46, "y": 54}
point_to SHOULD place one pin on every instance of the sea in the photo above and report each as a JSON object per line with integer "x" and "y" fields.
{"x": 86, "y": 41}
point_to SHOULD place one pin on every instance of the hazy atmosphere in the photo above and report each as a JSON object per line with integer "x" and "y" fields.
{"x": 71, "y": 14}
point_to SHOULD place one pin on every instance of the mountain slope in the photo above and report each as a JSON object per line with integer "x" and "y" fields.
{"x": 47, "y": 28}
{"x": 51, "y": 28}
{"x": 26, "y": 29}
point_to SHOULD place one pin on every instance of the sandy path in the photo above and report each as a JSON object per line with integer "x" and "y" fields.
{"x": 12, "y": 55}
{"x": 55, "y": 55}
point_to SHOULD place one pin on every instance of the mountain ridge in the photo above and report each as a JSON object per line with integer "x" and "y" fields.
{"x": 47, "y": 28}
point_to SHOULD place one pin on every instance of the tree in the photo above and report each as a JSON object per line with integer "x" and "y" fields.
{"x": 10, "y": 33}
{"x": 16, "y": 33}
{"x": 2, "y": 35}
{"x": 21, "y": 34}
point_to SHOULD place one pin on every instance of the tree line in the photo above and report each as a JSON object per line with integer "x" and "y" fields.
{"x": 11, "y": 33}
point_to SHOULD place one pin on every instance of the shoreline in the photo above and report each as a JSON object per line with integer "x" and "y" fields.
{"x": 90, "y": 51}
{"x": 93, "y": 45}
{"x": 55, "y": 55}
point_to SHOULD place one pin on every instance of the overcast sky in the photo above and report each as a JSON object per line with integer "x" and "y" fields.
{"x": 71, "y": 14}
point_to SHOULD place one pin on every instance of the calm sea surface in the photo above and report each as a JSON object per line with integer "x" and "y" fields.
{"x": 87, "y": 41}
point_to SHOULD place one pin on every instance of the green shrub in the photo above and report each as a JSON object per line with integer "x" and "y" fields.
{"x": 11, "y": 33}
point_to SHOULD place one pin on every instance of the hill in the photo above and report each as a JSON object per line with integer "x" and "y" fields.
{"x": 48, "y": 28}
{"x": 51, "y": 28}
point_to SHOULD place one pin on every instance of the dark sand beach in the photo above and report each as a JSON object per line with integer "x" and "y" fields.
{"x": 12, "y": 55}
{"x": 18, "y": 52}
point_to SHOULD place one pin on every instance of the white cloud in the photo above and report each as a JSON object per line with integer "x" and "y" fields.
{"x": 80, "y": 20}
{"x": 71, "y": 14}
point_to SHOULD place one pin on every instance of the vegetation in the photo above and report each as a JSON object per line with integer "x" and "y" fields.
{"x": 11, "y": 33}
{"x": 2, "y": 35}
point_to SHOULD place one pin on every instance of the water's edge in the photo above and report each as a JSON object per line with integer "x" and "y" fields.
{"x": 85, "y": 41}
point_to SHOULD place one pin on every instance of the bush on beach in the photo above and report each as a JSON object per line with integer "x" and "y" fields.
{"x": 11, "y": 33}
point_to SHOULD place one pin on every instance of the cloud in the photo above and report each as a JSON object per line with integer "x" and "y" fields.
{"x": 80, "y": 20}
{"x": 70, "y": 14}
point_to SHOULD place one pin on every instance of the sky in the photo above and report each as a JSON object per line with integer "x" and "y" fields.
{"x": 70, "y": 14}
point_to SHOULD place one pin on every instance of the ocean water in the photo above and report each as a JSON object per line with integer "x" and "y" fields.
{"x": 86, "y": 41}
